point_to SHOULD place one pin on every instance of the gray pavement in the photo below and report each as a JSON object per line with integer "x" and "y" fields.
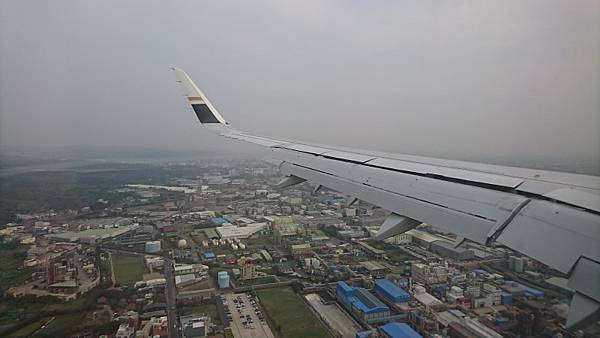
{"x": 171, "y": 298}
{"x": 334, "y": 316}
{"x": 242, "y": 309}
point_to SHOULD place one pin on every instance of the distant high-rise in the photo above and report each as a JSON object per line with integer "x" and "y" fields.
{"x": 223, "y": 279}
{"x": 51, "y": 273}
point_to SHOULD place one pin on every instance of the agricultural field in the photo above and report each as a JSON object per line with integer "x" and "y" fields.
{"x": 288, "y": 316}
{"x": 127, "y": 269}
{"x": 11, "y": 265}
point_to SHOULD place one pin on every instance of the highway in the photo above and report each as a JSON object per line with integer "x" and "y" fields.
{"x": 171, "y": 299}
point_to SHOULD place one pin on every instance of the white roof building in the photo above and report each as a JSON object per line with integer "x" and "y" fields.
{"x": 232, "y": 231}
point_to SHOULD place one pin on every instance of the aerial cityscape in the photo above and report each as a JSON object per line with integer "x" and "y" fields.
{"x": 216, "y": 249}
{"x": 292, "y": 169}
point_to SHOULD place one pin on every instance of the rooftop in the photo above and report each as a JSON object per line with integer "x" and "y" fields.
{"x": 97, "y": 234}
{"x": 424, "y": 236}
{"x": 372, "y": 265}
{"x": 360, "y": 298}
{"x": 391, "y": 289}
{"x": 232, "y": 231}
{"x": 399, "y": 330}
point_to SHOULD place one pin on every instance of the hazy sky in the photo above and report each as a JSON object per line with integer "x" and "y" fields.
{"x": 458, "y": 79}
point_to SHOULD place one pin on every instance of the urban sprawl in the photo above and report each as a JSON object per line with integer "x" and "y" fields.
{"x": 227, "y": 254}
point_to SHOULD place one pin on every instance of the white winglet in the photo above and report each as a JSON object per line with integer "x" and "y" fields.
{"x": 205, "y": 111}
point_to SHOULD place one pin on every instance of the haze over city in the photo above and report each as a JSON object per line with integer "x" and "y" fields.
{"x": 502, "y": 82}
{"x": 236, "y": 169}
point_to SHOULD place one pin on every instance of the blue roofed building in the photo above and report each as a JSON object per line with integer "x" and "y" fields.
{"x": 362, "y": 304}
{"x": 209, "y": 255}
{"x": 513, "y": 287}
{"x": 217, "y": 221}
{"x": 390, "y": 292}
{"x": 398, "y": 330}
{"x": 532, "y": 292}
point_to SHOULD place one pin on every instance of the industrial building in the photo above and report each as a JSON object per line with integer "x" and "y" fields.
{"x": 376, "y": 269}
{"x": 422, "y": 238}
{"x": 93, "y": 235}
{"x": 218, "y": 221}
{"x": 398, "y": 330}
{"x": 184, "y": 269}
{"x": 424, "y": 297}
{"x": 447, "y": 249}
{"x": 515, "y": 288}
{"x": 362, "y": 304}
{"x": 391, "y": 330}
{"x": 234, "y": 231}
{"x": 391, "y": 292}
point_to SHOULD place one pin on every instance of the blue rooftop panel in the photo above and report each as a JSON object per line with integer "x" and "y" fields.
{"x": 391, "y": 291}
{"x": 531, "y": 291}
{"x": 217, "y": 220}
{"x": 368, "y": 303}
{"x": 359, "y": 298}
{"x": 399, "y": 330}
{"x": 343, "y": 287}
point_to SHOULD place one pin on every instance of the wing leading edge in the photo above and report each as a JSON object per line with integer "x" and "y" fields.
{"x": 550, "y": 216}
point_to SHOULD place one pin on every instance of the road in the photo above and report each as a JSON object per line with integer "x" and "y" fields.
{"x": 171, "y": 298}
{"x": 43, "y": 327}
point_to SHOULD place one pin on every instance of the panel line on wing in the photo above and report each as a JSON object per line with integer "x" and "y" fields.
{"x": 397, "y": 193}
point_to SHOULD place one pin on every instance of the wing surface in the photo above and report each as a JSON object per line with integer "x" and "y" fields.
{"x": 550, "y": 216}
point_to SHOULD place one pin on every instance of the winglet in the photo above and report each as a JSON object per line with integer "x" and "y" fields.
{"x": 205, "y": 111}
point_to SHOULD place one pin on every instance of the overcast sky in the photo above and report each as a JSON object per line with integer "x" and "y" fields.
{"x": 458, "y": 79}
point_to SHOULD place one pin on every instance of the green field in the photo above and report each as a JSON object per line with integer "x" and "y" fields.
{"x": 11, "y": 265}
{"x": 128, "y": 269}
{"x": 288, "y": 315}
{"x": 257, "y": 281}
{"x": 28, "y": 330}
{"x": 207, "y": 309}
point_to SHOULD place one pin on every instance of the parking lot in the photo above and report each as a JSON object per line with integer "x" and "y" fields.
{"x": 245, "y": 317}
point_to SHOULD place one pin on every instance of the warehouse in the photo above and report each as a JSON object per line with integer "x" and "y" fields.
{"x": 422, "y": 238}
{"x": 518, "y": 288}
{"x": 391, "y": 330}
{"x": 232, "y": 231}
{"x": 447, "y": 249}
{"x": 375, "y": 268}
{"x": 391, "y": 292}
{"x": 362, "y": 304}
{"x": 398, "y": 330}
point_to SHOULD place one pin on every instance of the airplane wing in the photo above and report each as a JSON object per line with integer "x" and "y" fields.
{"x": 550, "y": 216}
